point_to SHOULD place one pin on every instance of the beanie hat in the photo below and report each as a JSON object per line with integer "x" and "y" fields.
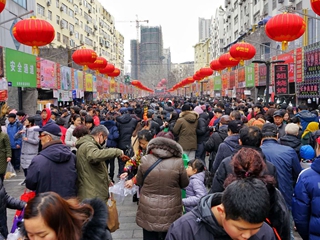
{"x": 185, "y": 107}
{"x": 307, "y": 152}
{"x": 198, "y": 109}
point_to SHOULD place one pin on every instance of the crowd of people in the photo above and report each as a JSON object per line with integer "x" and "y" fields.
{"x": 253, "y": 170}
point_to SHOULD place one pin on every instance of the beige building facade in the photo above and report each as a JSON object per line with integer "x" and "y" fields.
{"x": 202, "y": 54}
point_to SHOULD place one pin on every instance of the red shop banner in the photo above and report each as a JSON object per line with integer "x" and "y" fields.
{"x": 281, "y": 79}
{"x": 289, "y": 60}
{"x": 299, "y": 65}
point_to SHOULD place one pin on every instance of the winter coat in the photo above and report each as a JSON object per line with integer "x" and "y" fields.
{"x": 70, "y": 140}
{"x": 66, "y": 120}
{"x": 186, "y": 129}
{"x": 160, "y": 196}
{"x": 291, "y": 141}
{"x": 53, "y": 169}
{"x": 7, "y": 201}
{"x": 12, "y": 130}
{"x": 93, "y": 180}
{"x": 281, "y": 130}
{"x": 195, "y": 190}
{"x": 113, "y": 133}
{"x": 306, "y": 202}
{"x": 5, "y": 151}
{"x": 48, "y": 119}
{"x": 225, "y": 169}
{"x": 201, "y": 223}
{"x": 30, "y": 147}
{"x": 203, "y": 130}
{"x": 126, "y": 125}
{"x": 306, "y": 117}
{"x": 95, "y": 228}
{"x": 63, "y": 134}
{"x": 215, "y": 140}
{"x": 225, "y": 149}
{"x": 288, "y": 167}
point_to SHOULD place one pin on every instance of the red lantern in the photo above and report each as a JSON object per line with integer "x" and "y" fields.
{"x": 197, "y": 77}
{"x": 227, "y": 61}
{"x": 315, "y": 4}
{"x": 2, "y": 5}
{"x": 242, "y": 51}
{"x": 206, "y": 72}
{"x": 216, "y": 65}
{"x": 99, "y": 64}
{"x": 285, "y": 27}
{"x": 191, "y": 79}
{"x": 108, "y": 69}
{"x": 34, "y": 33}
{"x": 83, "y": 57}
{"x": 115, "y": 73}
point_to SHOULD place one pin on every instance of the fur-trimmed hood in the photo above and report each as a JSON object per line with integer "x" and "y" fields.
{"x": 189, "y": 116}
{"x": 96, "y": 228}
{"x": 164, "y": 148}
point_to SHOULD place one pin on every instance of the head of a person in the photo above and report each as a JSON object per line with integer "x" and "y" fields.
{"x": 12, "y": 117}
{"x": 91, "y": 111}
{"x": 307, "y": 152}
{"x": 195, "y": 166}
{"x": 278, "y": 117}
{"x": 44, "y": 113}
{"x": 286, "y": 117}
{"x": 76, "y": 120}
{"x": 123, "y": 110}
{"x": 269, "y": 130}
{"x": 60, "y": 121}
{"x": 48, "y": 133}
{"x": 150, "y": 113}
{"x": 29, "y": 122}
{"x": 258, "y": 108}
{"x": 220, "y": 105}
{"x": 100, "y": 134}
{"x": 250, "y": 136}
{"x": 88, "y": 121}
{"x": 302, "y": 107}
{"x": 224, "y": 120}
{"x": 235, "y": 115}
{"x": 50, "y": 217}
{"x": 144, "y": 137}
{"x": 80, "y": 131}
{"x": 292, "y": 129}
{"x": 20, "y": 115}
{"x": 312, "y": 127}
{"x": 234, "y": 126}
{"x": 218, "y": 112}
{"x": 295, "y": 120}
{"x": 186, "y": 107}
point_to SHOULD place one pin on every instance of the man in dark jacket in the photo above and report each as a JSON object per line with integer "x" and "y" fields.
{"x": 126, "y": 125}
{"x": 203, "y": 133}
{"x": 250, "y": 137}
{"x": 54, "y": 169}
{"x": 13, "y": 128}
{"x": 237, "y": 213}
{"x": 216, "y": 139}
{"x": 305, "y": 116}
{"x": 291, "y": 138}
{"x": 278, "y": 121}
{"x": 229, "y": 144}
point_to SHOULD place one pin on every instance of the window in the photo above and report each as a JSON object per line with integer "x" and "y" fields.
{"x": 58, "y": 19}
{"x": 76, "y": 21}
{"x": 64, "y": 23}
{"x": 88, "y": 41}
{"x": 57, "y": 3}
{"x": 71, "y": 13}
{"x": 49, "y": 15}
{"x": 274, "y": 4}
{"x": 235, "y": 19}
{"x": 58, "y": 37}
{"x": 255, "y": 2}
{"x": 64, "y": 8}
{"x": 236, "y": 34}
{"x": 65, "y": 39}
{"x": 40, "y": 10}
{"x": 22, "y": 3}
{"x": 81, "y": 24}
{"x": 76, "y": 35}
{"x": 71, "y": 27}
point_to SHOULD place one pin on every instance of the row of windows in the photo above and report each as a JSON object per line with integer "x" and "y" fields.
{"x": 22, "y": 3}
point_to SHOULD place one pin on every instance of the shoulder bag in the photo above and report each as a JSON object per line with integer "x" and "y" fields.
{"x": 149, "y": 170}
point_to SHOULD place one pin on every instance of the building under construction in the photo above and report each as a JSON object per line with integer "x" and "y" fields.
{"x": 147, "y": 57}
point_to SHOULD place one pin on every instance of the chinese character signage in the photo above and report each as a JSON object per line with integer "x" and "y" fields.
{"x": 288, "y": 58}
{"x": 99, "y": 85}
{"x": 48, "y": 73}
{"x": 262, "y": 75}
{"x": 20, "y": 68}
{"x": 241, "y": 77}
{"x": 249, "y": 75}
{"x": 88, "y": 83}
{"x": 312, "y": 62}
{"x": 65, "y": 76}
{"x": 299, "y": 64}
{"x": 307, "y": 90}
{"x": 78, "y": 80}
{"x": 232, "y": 80}
{"x": 281, "y": 79}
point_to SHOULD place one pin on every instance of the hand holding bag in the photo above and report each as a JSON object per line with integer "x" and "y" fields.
{"x": 10, "y": 172}
{"x": 113, "y": 217}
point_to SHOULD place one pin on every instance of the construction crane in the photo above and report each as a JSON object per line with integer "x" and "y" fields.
{"x": 137, "y": 21}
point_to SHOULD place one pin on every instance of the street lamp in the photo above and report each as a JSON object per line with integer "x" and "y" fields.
{"x": 268, "y": 63}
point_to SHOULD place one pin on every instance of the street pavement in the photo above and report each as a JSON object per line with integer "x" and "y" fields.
{"x": 127, "y": 212}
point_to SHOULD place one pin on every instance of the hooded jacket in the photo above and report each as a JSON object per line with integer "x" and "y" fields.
{"x": 195, "y": 190}
{"x": 7, "y": 201}
{"x": 186, "y": 129}
{"x": 93, "y": 180}
{"x": 12, "y": 130}
{"x": 225, "y": 149}
{"x": 306, "y": 202}
{"x": 291, "y": 141}
{"x": 126, "y": 125}
{"x": 160, "y": 196}
{"x": 113, "y": 133}
{"x": 30, "y": 147}
{"x": 201, "y": 223}
{"x": 48, "y": 119}
{"x": 53, "y": 169}
{"x": 306, "y": 117}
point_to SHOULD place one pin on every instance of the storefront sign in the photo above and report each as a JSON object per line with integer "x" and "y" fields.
{"x": 262, "y": 75}
{"x": 65, "y": 77}
{"x": 299, "y": 65}
{"x": 232, "y": 80}
{"x": 249, "y": 75}
{"x": 289, "y": 60}
{"x": 281, "y": 79}
{"x": 78, "y": 80}
{"x": 307, "y": 90}
{"x": 88, "y": 82}
{"x": 20, "y": 68}
{"x": 47, "y": 74}
{"x": 312, "y": 62}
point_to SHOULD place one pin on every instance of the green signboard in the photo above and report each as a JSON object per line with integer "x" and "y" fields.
{"x": 217, "y": 83}
{"x": 21, "y": 69}
{"x": 250, "y": 75}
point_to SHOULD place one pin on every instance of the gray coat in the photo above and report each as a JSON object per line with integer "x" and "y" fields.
{"x": 30, "y": 147}
{"x": 195, "y": 191}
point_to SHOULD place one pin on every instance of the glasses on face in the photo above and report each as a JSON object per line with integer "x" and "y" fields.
{"x": 42, "y": 135}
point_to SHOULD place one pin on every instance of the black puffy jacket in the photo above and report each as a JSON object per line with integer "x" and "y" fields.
{"x": 215, "y": 140}
{"x": 203, "y": 130}
{"x": 10, "y": 202}
{"x": 126, "y": 125}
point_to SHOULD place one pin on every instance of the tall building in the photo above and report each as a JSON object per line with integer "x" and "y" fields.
{"x": 134, "y": 51}
{"x": 83, "y": 22}
{"x": 204, "y": 29}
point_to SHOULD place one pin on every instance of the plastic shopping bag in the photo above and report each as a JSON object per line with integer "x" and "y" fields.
{"x": 15, "y": 236}
{"x": 120, "y": 192}
{"x": 10, "y": 172}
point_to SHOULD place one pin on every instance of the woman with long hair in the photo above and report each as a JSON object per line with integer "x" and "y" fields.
{"x": 50, "y": 217}
{"x": 70, "y": 139}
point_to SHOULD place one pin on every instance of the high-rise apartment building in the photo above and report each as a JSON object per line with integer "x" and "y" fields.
{"x": 134, "y": 51}
{"x": 204, "y": 29}
{"x": 83, "y": 22}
